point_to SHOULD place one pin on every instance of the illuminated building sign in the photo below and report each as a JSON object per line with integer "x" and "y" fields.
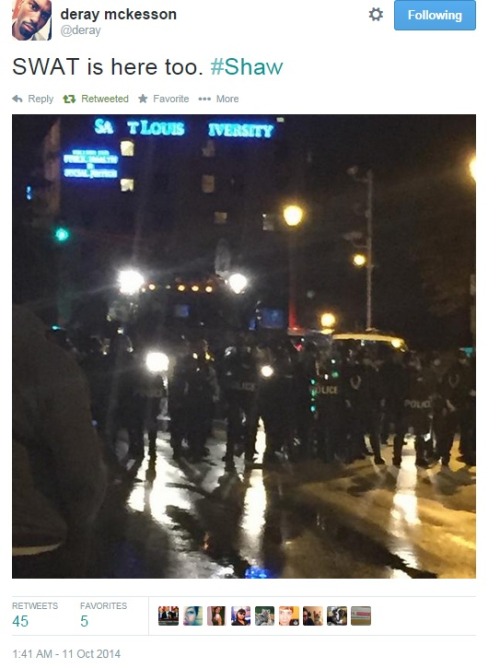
{"x": 90, "y": 164}
{"x": 164, "y": 128}
{"x": 253, "y": 130}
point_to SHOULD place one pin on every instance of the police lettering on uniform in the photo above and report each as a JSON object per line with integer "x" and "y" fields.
{"x": 417, "y": 411}
{"x": 328, "y": 409}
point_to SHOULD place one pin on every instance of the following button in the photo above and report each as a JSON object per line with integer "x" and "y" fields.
{"x": 434, "y": 15}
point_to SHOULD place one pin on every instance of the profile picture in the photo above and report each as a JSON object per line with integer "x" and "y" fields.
{"x": 264, "y": 615}
{"x": 216, "y": 615}
{"x": 241, "y": 615}
{"x": 312, "y": 615}
{"x": 168, "y": 615}
{"x": 289, "y": 615}
{"x": 193, "y": 615}
{"x": 336, "y": 615}
{"x": 361, "y": 615}
{"x": 32, "y": 20}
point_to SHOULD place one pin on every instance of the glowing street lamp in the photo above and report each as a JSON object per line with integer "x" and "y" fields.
{"x": 130, "y": 281}
{"x": 237, "y": 283}
{"x": 292, "y": 215}
{"x": 327, "y": 320}
{"x": 359, "y": 260}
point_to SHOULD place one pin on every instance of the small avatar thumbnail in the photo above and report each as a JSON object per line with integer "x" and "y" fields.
{"x": 361, "y": 615}
{"x": 289, "y": 615}
{"x": 264, "y": 615}
{"x": 168, "y": 615}
{"x": 241, "y": 615}
{"x": 193, "y": 615}
{"x": 312, "y": 615}
{"x": 336, "y": 615}
{"x": 216, "y": 615}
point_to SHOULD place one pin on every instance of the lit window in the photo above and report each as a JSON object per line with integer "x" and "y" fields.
{"x": 127, "y": 147}
{"x": 220, "y": 217}
{"x": 208, "y": 183}
{"x": 208, "y": 151}
{"x": 127, "y": 185}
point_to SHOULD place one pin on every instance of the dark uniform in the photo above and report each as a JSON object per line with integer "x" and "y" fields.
{"x": 193, "y": 391}
{"x": 148, "y": 393}
{"x": 305, "y": 372}
{"x": 362, "y": 394}
{"x": 417, "y": 412}
{"x": 328, "y": 410}
{"x": 276, "y": 404}
{"x": 454, "y": 394}
{"x": 393, "y": 378}
{"x": 239, "y": 379}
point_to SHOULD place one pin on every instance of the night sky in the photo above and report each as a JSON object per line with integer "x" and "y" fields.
{"x": 424, "y": 219}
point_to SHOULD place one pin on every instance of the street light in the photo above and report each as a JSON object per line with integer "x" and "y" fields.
{"x": 237, "y": 283}
{"x": 359, "y": 260}
{"x": 327, "y": 320}
{"x": 368, "y": 259}
{"x": 293, "y": 215}
{"x": 130, "y": 281}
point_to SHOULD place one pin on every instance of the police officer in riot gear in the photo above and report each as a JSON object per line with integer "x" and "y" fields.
{"x": 305, "y": 374}
{"x": 417, "y": 411}
{"x": 275, "y": 401}
{"x": 453, "y": 406}
{"x": 194, "y": 391}
{"x": 239, "y": 379}
{"x": 362, "y": 394}
{"x": 328, "y": 408}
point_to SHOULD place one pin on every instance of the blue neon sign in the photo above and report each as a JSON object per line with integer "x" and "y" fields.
{"x": 244, "y": 130}
{"x": 157, "y": 128}
{"x": 90, "y": 164}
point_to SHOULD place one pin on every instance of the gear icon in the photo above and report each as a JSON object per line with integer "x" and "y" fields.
{"x": 376, "y": 14}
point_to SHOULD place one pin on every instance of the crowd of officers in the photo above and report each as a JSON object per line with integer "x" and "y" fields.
{"x": 314, "y": 402}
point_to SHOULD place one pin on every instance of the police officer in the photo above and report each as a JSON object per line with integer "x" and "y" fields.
{"x": 393, "y": 377}
{"x": 361, "y": 389}
{"x": 196, "y": 391}
{"x": 454, "y": 393}
{"x": 305, "y": 374}
{"x": 275, "y": 401}
{"x": 148, "y": 393}
{"x": 328, "y": 409}
{"x": 239, "y": 378}
{"x": 417, "y": 411}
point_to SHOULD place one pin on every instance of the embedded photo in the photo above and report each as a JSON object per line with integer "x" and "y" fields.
{"x": 243, "y": 348}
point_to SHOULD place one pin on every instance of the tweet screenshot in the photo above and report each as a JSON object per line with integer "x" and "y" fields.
{"x": 243, "y": 269}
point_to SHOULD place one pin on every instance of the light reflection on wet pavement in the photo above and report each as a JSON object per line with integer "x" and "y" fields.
{"x": 185, "y": 520}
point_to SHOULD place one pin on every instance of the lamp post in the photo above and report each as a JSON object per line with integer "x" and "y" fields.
{"x": 293, "y": 215}
{"x": 368, "y": 261}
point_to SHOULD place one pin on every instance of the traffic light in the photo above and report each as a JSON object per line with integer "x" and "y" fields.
{"x": 61, "y": 235}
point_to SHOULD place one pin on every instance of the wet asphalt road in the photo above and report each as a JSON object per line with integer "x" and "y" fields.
{"x": 187, "y": 520}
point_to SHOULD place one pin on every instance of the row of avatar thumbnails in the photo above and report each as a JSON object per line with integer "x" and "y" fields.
{"x": 264, "y": 615}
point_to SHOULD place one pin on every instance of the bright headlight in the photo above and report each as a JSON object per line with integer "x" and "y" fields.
{"x": 157, "y": 362}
